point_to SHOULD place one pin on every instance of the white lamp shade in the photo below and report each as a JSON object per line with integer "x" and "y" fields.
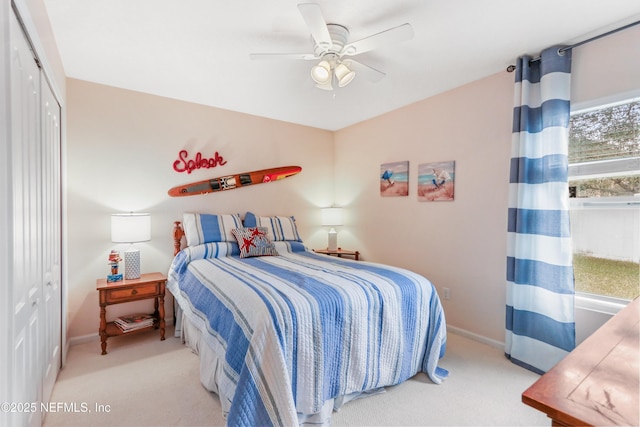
{"x": 332, "y": 216}
{"x": 344, "y": 75}
{"x": 130, "y": 228}
{"x": 321, "y": 73}
{"x": 325, "y": 86}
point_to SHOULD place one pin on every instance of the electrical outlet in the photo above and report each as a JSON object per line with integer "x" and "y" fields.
{"x": 446, "y": 293}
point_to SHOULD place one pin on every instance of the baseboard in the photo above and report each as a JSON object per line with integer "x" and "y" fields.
{"x": 83, "y": 339}
{"x": 476, "y": 337}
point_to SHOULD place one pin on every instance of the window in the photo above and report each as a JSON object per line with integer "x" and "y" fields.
{"x": 604, "y": 188}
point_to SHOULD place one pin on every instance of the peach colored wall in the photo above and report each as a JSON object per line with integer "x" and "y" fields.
{"x": 458, "y": 244}
{"x": 461, "y": 244}
{"x": 116, "y": 136}
{"x": 606, "y": 70}
{"x": 121, "y": 148}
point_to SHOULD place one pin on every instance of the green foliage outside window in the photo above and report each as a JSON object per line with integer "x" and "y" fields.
{"x": 604, "y": 136}
{"x": 608, "y": 133}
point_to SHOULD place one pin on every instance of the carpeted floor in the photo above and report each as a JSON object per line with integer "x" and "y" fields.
{"x": 147, "y": 382}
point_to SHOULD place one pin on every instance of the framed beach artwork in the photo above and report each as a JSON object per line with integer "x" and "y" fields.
{"x": 436, "y": 181}
{"x": 394, "y": 179}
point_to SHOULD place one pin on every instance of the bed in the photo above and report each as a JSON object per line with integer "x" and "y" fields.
{"x": 286, "y": 336}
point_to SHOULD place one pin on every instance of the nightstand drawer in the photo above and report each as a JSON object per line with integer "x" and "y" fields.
{"x": 141, "y": 291}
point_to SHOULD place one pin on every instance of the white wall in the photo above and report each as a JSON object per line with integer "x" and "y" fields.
{"x": 121, "y": 148}
{"x": 461, "y": 244}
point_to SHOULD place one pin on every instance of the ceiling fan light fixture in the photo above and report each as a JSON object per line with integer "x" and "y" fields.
{"x": 325, "y": 86}
{"x": 331, "y": 43}
{"x": 344, "y": 74}
{"x": 321, "y": 73}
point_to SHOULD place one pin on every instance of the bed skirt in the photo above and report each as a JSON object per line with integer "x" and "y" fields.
{"x": 211, "y": 371}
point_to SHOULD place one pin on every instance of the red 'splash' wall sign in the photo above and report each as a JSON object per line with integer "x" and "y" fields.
{"x": 184, "y": 164}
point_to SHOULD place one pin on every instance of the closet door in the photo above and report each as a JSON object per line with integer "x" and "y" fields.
{"x": 51, "y": 220}
{"x": 27, "y": 265}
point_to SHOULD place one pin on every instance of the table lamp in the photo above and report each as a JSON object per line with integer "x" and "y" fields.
{"x": 131, "y": 228}
{"x": 332, "y": 217}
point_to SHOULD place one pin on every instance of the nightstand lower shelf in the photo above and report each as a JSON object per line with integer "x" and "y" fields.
{"x": 113, "y": 330}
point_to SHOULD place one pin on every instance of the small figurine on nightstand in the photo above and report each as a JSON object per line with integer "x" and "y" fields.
{"x": 114, "y": 259}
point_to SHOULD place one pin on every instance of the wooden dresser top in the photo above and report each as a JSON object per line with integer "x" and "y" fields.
{"x": 597, "y": 383}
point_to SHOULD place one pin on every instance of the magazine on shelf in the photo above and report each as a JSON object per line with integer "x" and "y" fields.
{"x": 133, "y": 322}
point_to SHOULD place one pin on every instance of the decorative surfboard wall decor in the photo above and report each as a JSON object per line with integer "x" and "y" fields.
{"x": 230, "y": 182}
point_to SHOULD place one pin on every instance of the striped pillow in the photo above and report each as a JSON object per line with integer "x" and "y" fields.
{"x": 253, "y": 241}
{"x": 206, "y": 228}
{"x": 279, "y": 228}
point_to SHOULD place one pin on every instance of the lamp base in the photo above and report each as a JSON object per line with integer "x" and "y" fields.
{"x": 131, "y": 264}
{"x": 333, "y": 240}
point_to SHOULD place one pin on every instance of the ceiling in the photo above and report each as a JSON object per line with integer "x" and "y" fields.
{"x": 198, "y": 50}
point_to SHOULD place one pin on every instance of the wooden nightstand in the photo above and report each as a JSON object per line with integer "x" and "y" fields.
{"x": 148, "y": 286}
{"x": 339, "y": 253}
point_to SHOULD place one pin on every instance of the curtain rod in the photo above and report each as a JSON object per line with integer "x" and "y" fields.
{"x": 512, "y": 68}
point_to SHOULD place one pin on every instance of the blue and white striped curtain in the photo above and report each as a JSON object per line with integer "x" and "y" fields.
{"x": 540, "y": 328}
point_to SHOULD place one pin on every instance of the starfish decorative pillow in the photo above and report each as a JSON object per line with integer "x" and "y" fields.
{"x": 253, "y": 241}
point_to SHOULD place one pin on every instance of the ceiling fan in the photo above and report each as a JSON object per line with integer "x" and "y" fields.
{"x": 333, "y": 51}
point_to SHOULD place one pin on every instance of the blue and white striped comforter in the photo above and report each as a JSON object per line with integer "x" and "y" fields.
{"x": 299, "y": 329}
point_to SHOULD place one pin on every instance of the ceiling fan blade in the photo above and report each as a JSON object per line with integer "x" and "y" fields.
{"x": 393, "y": 35}
{"x": 312, "y": 15}
{"x": 366, "y": 71}
{"x": 305, "y": 56}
